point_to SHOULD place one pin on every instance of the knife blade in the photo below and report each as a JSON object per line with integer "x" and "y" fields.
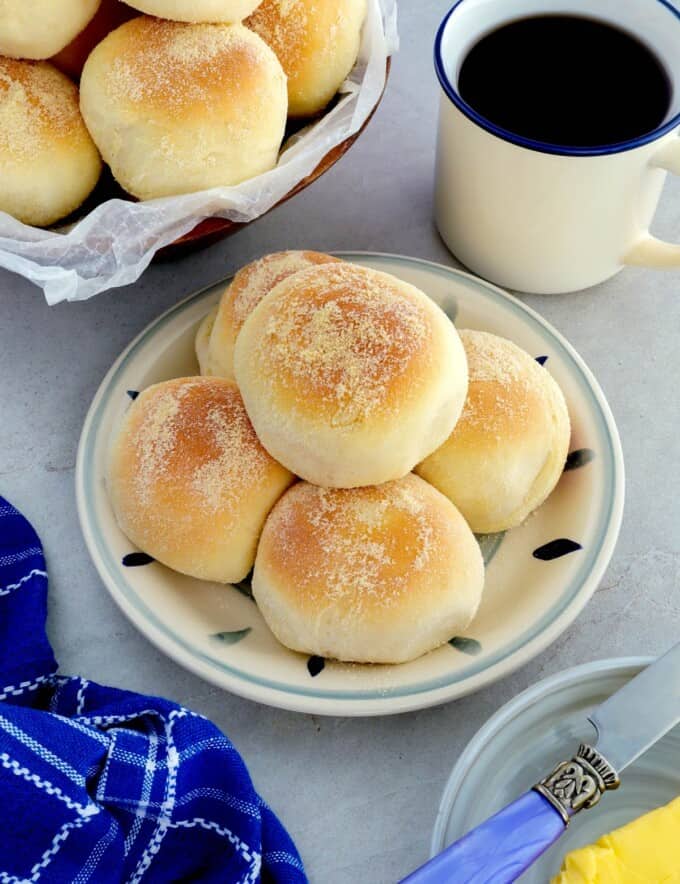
{"x": 640, "y": 713}
{"x": 628, "y": 723}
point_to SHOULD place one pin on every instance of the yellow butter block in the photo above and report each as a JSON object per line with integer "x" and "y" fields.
{"x": 646, "y": 851}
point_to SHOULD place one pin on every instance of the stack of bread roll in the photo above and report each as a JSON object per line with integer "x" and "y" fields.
{"x": 346, "y": 441}
{"x": 193, "y": 94}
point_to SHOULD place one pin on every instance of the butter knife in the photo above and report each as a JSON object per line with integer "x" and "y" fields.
{"x": 627, "y": 724}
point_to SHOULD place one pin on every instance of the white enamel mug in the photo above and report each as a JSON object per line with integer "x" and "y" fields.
{"x": 544, "y": 218}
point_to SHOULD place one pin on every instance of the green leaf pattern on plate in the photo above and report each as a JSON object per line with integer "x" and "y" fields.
{"x": 489, "y": 545}
{"x": 232, "y": 637}
{"x": 245, "y": 586}
{"x": 466, "y": 645}
{"x": 450, "y": 306}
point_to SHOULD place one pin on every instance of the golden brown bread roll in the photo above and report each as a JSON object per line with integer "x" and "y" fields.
{"x": 48, "y": 162}
{"x": 177, "y": 108}
{"x": 188, "y": 480}
{"x": 110, "y": 15}
{"x": 507, "y": 451}
{"x": 240, "y": 298}
{"x": 225, "y": 11}
{"x": 202, "y": 342}
{"x": 372, "y": 575}
{"x": 40, "y": 28}
{"x": 350, "y": 376}
{"x": 316, "y": 41}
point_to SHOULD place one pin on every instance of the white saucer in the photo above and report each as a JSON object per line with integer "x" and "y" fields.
{"x": 528, "y": 601}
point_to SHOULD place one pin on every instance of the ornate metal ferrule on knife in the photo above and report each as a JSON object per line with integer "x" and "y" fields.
{"x": 580, "y": 783}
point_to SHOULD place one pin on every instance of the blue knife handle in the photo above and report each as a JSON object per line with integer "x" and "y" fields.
{"x": 498, "y": 851}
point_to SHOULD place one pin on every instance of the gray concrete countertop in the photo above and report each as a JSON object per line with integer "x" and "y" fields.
{"x": 359, "y": 796}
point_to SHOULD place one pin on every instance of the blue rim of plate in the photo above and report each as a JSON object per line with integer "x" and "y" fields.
{"x": 530, "y": 143}
{"x": 516, "y": 706}
{"x": 591, "y": 570}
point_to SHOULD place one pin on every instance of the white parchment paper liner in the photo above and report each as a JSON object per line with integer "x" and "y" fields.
{"x": 113, "y": 245}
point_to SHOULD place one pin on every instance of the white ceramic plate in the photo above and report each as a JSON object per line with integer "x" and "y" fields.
{"x": 217, "y": 631}
{"x": 524, "y": 741}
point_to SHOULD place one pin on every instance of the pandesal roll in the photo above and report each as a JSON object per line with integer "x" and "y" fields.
{"x": 202, "y": 342}
{"x": 370, "y": 575}
{"x": 316, "y": 41}
{"x": 350, "y": 376}
{"x": 38, "y": 29}
{"x": 48, "y": 163}
{"x": 243, "y": 294}
{"x": 508, "y": 450}
{"x": 177, "y": 108}
{"x": 225, "y": 11}
{"x": 110, "y": 15}
{"x": 188, "y": 480}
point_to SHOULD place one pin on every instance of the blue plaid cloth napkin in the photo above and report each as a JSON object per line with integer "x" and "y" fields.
{"x": 103, "y": 785}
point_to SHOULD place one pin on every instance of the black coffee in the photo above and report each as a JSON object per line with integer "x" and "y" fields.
{"x": 566, "y": 80}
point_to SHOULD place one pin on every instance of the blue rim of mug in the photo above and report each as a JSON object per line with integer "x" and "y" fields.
{"x": 530, "y": 143}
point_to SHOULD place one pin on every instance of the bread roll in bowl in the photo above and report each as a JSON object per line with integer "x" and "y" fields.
{"x": 177, "y": 108}
{"x": 110, "y": 15}
{"x": 507, "y": 451}
{"x": 243, "y": 294}
{"x": 316, "y": 41}
{"x": 370, "y": 575}
{"x": 188, "y": 480}
{"x": 39, "y": 29}
{"x": 48, "y": 162}
{"x": 225, "y": 11}
{"x": 350, "y": 376}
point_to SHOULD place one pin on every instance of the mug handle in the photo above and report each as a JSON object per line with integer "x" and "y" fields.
{"x": 649, "y": 251}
